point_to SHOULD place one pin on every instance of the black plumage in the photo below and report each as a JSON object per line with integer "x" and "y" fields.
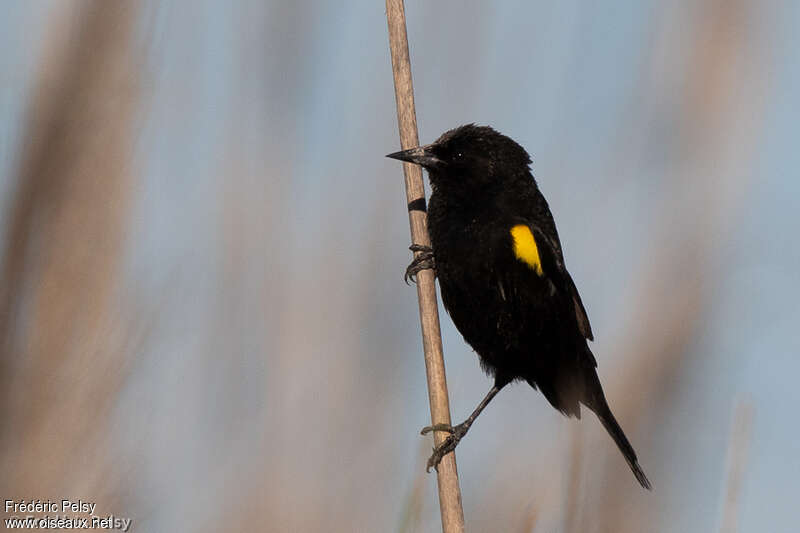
{"x": 501, "y": 271}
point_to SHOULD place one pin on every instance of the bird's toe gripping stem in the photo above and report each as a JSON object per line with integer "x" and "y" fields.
{"x": 421, "y": 262}
{"x": 448, "y": 445}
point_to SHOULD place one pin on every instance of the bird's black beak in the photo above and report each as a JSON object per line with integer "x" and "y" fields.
{"x": 421, "y": 155}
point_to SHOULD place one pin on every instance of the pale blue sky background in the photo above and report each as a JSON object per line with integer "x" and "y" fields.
{"x": 269, "y": 233}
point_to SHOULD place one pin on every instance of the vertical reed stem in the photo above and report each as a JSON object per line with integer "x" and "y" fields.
{"x": 449, "y": 491}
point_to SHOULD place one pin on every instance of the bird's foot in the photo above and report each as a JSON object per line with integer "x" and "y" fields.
{"x": 448, "y": 445}
{"x": 437, "y": 427}
{"x": 421, "y": 262}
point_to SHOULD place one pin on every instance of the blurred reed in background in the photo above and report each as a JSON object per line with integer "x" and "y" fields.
{"x": 203, "y": 321}
{"x": 66, "y": 341}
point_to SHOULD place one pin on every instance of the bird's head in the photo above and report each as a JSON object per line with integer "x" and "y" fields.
{"x": 470, "y": 158}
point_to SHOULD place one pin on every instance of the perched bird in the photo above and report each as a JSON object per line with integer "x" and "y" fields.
{"x": 498, "y": 259}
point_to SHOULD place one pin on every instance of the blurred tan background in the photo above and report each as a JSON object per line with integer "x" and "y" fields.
{"x": 203, "y": 320}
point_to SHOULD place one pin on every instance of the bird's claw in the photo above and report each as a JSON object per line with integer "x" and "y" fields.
{"x": 421, "y": 262}
{"x": 448, "y": 445}
{"x": 437, "y": 427}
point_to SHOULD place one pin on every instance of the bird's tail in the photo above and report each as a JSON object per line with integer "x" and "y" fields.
{"x": 599, "y": 405}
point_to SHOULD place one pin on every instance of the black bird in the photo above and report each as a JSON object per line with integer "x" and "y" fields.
{"x": 497, "y": 255}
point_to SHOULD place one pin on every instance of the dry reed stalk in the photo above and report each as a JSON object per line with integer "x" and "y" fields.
{"x": 447, "y": 473}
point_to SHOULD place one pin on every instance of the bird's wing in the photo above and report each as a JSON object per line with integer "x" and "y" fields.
{"x": 542, "y": 255}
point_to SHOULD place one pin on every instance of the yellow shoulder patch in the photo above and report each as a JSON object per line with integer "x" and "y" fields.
{"x": 525, "y": 248}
